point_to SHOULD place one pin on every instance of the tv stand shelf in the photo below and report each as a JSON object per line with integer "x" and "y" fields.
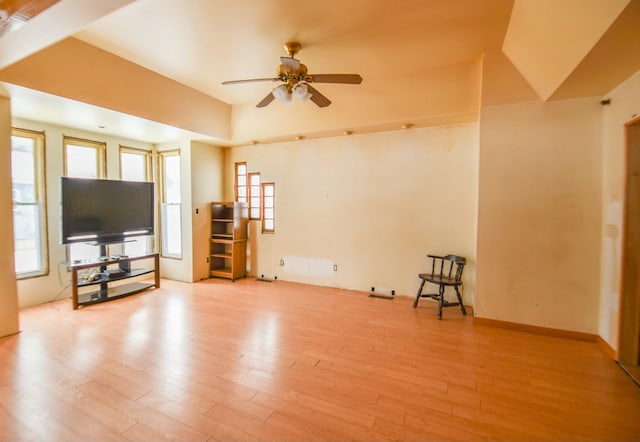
{"x": 105, "y": 292}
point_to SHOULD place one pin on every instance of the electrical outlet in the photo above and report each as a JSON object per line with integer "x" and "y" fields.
{"x": 281, "y": 262}
{"x": 335, "y": 267}
{"x": 207, "y": 259}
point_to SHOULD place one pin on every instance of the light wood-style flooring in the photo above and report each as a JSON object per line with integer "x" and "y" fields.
{"x": 253, "y": 360}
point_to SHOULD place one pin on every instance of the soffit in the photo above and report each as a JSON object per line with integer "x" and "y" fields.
{"x": 52, "y": 24}
{"x": 611, "y": 61}
{"x": 547, "y": 39}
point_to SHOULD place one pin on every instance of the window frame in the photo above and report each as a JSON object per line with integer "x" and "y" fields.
{"x": 251, "y": 196}
{"x": 237, "y": 186}
{"x": 101, "y": 153}
{"x": 148, "y": 177}
{"x": 147, "y": 154}
{"x": 101, "y": 173}
{"x": 40, "y": 179}
{"x": 264, "y": 206}
{"x": 162, "y": 202}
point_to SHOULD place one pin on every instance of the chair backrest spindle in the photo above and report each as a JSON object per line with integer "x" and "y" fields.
{"x": 460, "y": 263}
{"x": 452, "y": 261}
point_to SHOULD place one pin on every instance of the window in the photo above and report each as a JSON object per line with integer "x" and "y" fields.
{"x": 171, "y": 207}
{"x": 268, "y": 207}
{"x": 241, "y": 182}
{"x": 254, "y": 195}
{"x": 135, "y": 165}
{"x": 29, "y": 213}
{"x": 261, "y": 197}
{"x": 84, "y": 159}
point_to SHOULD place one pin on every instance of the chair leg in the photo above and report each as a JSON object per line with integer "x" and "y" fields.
{"x": 415, "y": 303}
{"x": 464, "y": 311}
{"x": 440, "y": 301}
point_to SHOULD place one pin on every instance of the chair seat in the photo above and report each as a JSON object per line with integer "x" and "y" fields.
{"x": 439, "y": 279}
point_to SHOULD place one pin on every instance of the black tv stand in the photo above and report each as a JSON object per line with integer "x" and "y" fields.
{"x": 105, "y": 291}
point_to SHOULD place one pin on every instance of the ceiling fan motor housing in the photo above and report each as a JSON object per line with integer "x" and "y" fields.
{"x": 292, "y": 76}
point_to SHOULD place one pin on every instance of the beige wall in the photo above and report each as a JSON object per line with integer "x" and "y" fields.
{"x": 201, "y": 167}
{"x": 207, "y": 181}
{"x": 8, "y": 291}
{"x": 625, "y": 105}
{"x": 55, "y": 285}
{"x": 374, "y": 205}
{"x": 539, "y": 214}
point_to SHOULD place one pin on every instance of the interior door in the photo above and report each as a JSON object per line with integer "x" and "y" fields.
{"x": 629, "y": 347}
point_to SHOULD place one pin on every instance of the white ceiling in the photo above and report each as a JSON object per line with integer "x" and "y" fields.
{"x": 423, "y": 61}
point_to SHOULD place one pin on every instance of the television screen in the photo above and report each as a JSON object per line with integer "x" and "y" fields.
{"x": 105, "y": 211}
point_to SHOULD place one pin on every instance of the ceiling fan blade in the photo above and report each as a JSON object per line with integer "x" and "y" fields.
{"x": 317, "y": 97}
{"x": 251, "y": 80}
{"x": 336, "y": 78}
{"x": 266, "y": 100}
{"x": 291, "y": 64}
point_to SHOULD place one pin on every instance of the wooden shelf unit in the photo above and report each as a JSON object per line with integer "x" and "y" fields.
{"x": 228, "y": 242}
{"x": 105, "y": 292}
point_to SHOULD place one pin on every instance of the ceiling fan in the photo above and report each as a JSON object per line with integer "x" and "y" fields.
{"x": 296, "y": 81}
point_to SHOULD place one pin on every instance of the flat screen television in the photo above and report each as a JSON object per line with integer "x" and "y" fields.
{"x": 105, "y": 211}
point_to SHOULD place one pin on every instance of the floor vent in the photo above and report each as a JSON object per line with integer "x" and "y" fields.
{"x": 263, "y": 279}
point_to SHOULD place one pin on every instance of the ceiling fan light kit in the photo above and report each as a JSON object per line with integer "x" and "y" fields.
{"x": 296, "y": 80}
{"x": 301, "y": 92}
{"x": 282, "y": 94}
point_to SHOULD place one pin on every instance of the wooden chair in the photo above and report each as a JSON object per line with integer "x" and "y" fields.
{"x": 446, "y": 271}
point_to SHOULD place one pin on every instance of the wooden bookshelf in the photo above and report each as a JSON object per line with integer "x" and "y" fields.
{"x": 228, "y": 242}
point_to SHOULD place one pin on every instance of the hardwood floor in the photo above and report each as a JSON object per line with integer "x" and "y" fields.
{"x": 252, "y": 360}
